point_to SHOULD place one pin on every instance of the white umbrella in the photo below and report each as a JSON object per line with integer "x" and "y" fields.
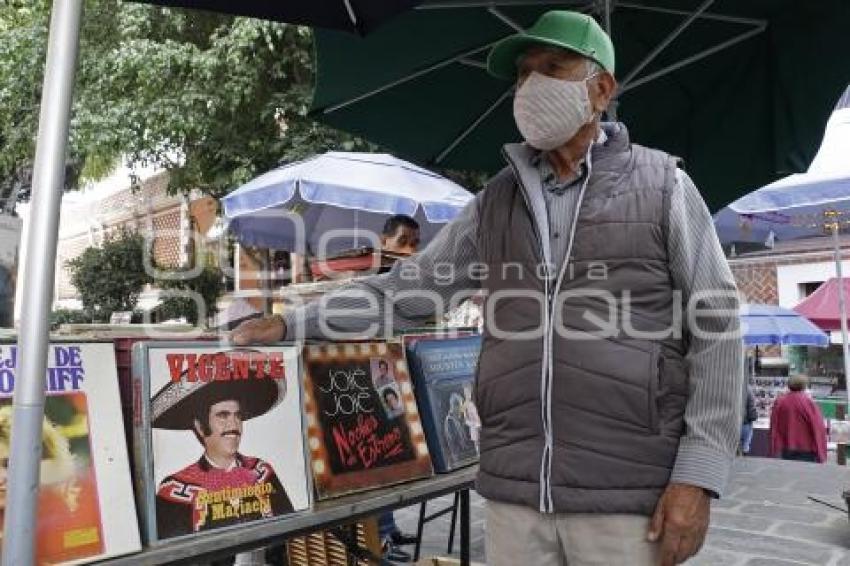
{"x": 338, "y": 190}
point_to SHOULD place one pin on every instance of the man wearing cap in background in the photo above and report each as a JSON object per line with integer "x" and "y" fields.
{"x": 604, "y": 436}
{"x": 223, "y": 487}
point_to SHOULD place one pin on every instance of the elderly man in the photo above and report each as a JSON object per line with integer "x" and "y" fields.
{"x": 609, "y": 380}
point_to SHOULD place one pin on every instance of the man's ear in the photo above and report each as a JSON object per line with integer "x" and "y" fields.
{"x": 602, "y": 90}
{"x": 198, "y": 428}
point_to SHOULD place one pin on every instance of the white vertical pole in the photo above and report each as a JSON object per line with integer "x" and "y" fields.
{"x": 37, "y": 285}
{"x": 842, "y": 308}
{"x": 356, "y": 229}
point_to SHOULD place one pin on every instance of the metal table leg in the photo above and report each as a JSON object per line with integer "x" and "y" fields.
{"x": 464, "y": 527}
{"x": 420, "y": 526}
{"x": 453, "y": 523}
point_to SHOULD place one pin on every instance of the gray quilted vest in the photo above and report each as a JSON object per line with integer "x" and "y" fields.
{"x": 582, "y": 381}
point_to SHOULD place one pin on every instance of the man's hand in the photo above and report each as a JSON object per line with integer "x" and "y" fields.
{"x": 680, "y": 522}
{"x": 259, "y": 331}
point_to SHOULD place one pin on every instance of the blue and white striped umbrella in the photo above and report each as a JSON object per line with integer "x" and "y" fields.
{"x": 338, "y": 190}
{"x": 763, "y": 325}
{"x": 800, "y": 205}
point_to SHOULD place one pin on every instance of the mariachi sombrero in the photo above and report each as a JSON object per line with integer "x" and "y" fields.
{"x": 176, "y": 405}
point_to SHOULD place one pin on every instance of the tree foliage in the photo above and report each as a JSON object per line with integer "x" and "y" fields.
{"x": 58, "y": 317}
{"x": 213, "y": 98}
{"x": 110, "y": 277}
{"x": 207, "y": 286}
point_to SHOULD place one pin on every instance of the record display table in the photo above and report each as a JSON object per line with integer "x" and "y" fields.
{"x": 323, "y": 515}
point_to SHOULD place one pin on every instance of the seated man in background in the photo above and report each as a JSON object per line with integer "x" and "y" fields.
{"x": 399, "y": 236}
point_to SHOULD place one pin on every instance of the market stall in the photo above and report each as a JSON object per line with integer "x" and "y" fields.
{"x": 323, "y": 516}
{"x": 772, "y": 325}
{"x": 358, "y": 428}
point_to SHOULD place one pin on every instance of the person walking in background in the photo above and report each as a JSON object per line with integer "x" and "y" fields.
{"x": 797, "y": 430}
{"x": 751, "y": 415}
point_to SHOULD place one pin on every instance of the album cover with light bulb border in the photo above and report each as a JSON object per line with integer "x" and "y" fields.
{"x": 219, "y": 437}
{"x": 363, "y": 426}
{"x": 85, "y": 500}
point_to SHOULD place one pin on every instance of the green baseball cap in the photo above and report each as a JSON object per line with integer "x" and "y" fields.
{"x": 558, "y": 28}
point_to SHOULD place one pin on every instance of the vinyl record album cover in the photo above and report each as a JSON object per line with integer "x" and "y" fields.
{"x": 86, "y": 509}
{"x": 363, "y": 425}
{"x": 219, "y": 436}
{"x": 443, "y": 371}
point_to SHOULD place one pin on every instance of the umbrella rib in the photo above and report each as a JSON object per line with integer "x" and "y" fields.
{"x": 351, "y": 15}
{"x": 607, "y": 14}
{"x": 692, "y": 59}
{"x": 449, "y": 4}
{"x": 505, "y": 19}
{"x": 463, "y": 135}
{"x": 704, "y": 16}
{"x": 667, "y": 41}
{"x": 408, "y": 78}
{"x": 473, "y": 63}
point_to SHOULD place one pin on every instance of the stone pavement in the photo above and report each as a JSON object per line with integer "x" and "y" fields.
{"x": 766, "y": 519}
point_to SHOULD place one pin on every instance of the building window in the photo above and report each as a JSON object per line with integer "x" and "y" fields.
{"x": 807, "y": 289}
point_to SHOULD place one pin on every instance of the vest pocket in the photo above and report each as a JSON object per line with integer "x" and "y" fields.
{"x": 656, "y": 368}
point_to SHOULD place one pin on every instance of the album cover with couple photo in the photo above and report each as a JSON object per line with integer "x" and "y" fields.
{"x": 443, "y": 370}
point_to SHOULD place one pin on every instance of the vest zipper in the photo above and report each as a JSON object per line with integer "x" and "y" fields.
{"x": 551, "y": 332}
{"x": 545, "y": 404}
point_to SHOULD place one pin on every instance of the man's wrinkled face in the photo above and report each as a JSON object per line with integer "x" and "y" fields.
{"x": 225, "y": 430}
{"x": 404, "y": 241}
{"x": 552, "y": 62}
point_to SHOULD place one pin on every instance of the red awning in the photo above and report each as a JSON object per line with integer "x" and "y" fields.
{"x": 821, "y": 307}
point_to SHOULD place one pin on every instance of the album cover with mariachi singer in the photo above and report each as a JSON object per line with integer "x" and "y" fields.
{"x": 443, "y": 370}
{"x": 218, "y": 436}
{"x": 363, "y": 427}
{"x": 85, "y": 502}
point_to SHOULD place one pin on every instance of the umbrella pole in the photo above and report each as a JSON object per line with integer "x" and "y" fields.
{"x": 356, "y": 228}
{"x": 43, "y": 229}
{"x": 841, "y": 307}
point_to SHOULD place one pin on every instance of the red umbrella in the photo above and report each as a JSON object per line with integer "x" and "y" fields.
{"x": 822, "y": 307}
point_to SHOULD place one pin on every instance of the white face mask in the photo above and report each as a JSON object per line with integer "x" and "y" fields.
{"x": 549, "y": 111}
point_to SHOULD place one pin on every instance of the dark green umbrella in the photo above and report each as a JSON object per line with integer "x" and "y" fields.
{"x": 740, "y": 92}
